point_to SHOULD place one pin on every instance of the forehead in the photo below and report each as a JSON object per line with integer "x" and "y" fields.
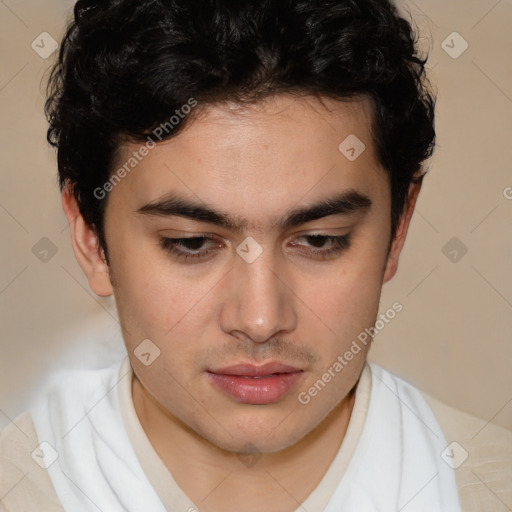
{"x": 282, "y": 120}
{"x": 258, "y": 157}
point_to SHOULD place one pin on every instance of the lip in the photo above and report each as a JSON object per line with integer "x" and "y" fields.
{"x": 251, "y": 370}
{"x": 256, "y": 385}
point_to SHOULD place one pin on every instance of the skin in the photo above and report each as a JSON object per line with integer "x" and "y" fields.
{"x": 255, "y": 164}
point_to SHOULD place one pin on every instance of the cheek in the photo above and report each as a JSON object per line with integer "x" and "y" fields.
{"x": 159, "y": 300}
{"x": 349, "y": 295}
{"x": 342, "y": 313}
{"x": 144, "y": 291}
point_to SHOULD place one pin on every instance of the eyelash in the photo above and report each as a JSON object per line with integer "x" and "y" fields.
{"x": 339, "y": 244}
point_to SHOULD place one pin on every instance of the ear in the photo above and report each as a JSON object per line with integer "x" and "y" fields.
{"x": 86, "y": 246}
{"x": 401, "y": 231}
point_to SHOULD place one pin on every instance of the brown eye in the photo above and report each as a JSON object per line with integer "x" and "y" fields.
{"x": 189, "y": 248}
{"x": 324, "y": 246}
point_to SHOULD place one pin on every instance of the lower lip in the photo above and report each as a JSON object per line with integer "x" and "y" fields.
{"x": 265, "y": 390}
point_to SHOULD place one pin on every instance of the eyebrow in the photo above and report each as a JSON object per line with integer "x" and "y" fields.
{"x": 174, "y": 204}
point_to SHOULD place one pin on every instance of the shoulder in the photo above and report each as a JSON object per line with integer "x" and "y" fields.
{"x": 24, "y": 484}
{"x": 479, "y": 451}
{"x": 481, "y": 454}
{"x": 63, "y": 399}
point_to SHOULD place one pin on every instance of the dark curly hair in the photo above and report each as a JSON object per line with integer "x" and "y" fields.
{"x": 126, "y": 66}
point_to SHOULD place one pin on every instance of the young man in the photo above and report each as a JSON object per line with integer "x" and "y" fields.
{"x": 241, "y": 177}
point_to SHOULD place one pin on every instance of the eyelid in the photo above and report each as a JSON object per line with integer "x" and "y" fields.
{"x": 177, "y": 233}
{"x": 327, "y": 231}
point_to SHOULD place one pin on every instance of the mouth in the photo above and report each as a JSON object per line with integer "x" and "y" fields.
{"x": 256, "y": 385}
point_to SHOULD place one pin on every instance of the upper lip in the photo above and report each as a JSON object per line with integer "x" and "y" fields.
{"x": 251, "y": 370}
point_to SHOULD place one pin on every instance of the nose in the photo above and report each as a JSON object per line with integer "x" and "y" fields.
{"x": 259, "y": 302}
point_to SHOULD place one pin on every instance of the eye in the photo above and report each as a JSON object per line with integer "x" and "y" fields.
{"x": 187, "y": 249}
{"x": 192, "y": 249}
{"x": 325, "y": 246}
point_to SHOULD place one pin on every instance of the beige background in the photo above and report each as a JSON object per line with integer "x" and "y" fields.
{"x": 453, "y": 337}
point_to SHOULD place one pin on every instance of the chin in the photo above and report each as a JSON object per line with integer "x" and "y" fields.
{"x": 253, "y": 445}
{"x": 253, "y": 439}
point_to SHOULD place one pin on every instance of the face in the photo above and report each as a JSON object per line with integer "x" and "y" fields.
{"x": 251, "y": 252}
